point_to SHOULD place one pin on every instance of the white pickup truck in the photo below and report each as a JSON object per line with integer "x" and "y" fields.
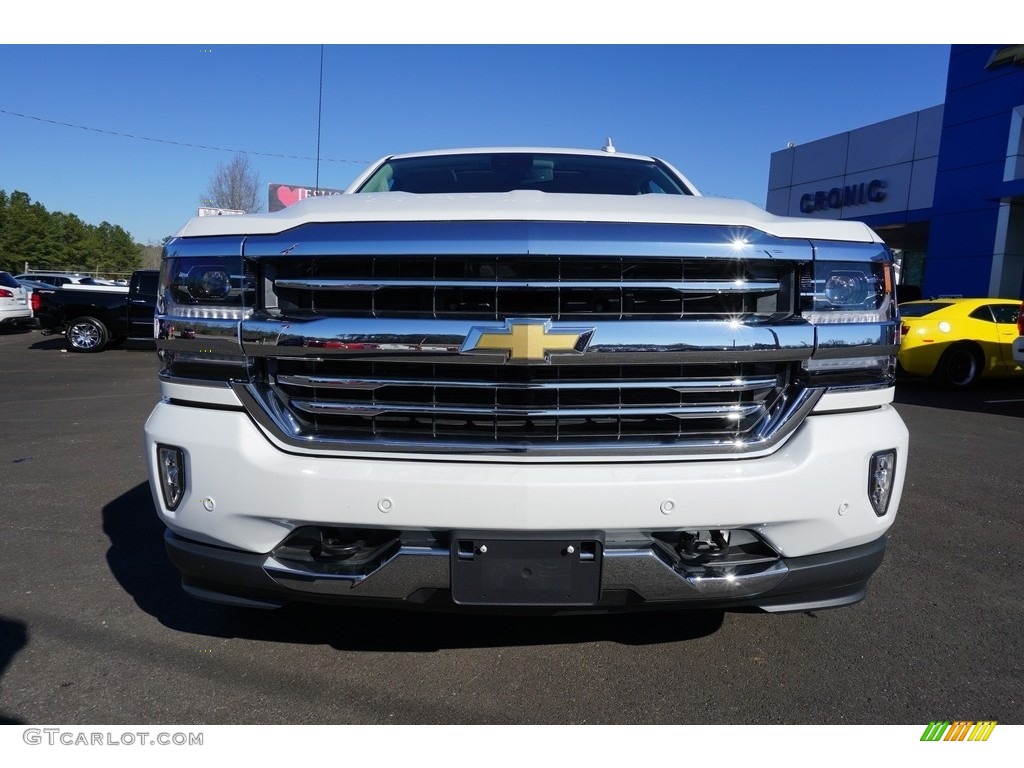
{"x": 526, "y": 378}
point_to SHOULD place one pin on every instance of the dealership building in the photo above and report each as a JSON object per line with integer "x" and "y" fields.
{"x": 944, "y": 187}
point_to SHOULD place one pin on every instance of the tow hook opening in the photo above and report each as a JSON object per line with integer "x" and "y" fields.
{"x": 334, "y": 546}
{"x": 715, "y": 548}
{"x": 703, "y": 545}
{"x": 338, "y": 550}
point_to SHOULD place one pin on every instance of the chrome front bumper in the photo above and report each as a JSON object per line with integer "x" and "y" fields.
{"x": 631, "y": 577}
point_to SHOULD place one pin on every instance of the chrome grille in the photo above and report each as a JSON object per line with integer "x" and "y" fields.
{"x": 555, "y": 287}
{"x": 485, "y": 406}
{"x": 363, "y": 339}
{"x": 428, "y": 334}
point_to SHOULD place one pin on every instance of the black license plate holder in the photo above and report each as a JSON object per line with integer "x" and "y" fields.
{"x": 525, "y": 572}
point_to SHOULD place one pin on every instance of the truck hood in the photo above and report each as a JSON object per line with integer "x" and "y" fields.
{"x": 528, "y": 205}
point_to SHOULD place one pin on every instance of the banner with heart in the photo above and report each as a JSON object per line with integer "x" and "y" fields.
{"x": 283, "y": 195}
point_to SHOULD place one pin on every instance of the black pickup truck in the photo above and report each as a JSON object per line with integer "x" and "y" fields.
{"x": 93, "y": 318}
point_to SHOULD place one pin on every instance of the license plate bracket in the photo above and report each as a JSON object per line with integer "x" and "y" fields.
{"x": 498, "y": 571}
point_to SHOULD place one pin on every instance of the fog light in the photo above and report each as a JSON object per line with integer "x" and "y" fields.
{"x": 171, "y": 463}
{"x": 881, "y": 473}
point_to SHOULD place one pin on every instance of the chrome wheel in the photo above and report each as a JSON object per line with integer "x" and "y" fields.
{"x": 86, "y": 335}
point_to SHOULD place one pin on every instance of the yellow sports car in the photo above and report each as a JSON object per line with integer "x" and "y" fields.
{"x": 958, "y": 341}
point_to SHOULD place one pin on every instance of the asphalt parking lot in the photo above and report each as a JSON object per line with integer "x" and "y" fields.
{"x": 95, "y": 630}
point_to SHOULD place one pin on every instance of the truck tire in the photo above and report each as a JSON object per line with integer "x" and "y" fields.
{"x": 87, "y": 334}
{"x": 959, "y": 367}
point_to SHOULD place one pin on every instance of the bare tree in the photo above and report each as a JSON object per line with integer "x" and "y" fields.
{"x": 236, "y": 185}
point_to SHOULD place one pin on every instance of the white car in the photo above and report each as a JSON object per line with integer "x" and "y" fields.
{"x": 56, "y": 279}
{"x": 15, "y": 308}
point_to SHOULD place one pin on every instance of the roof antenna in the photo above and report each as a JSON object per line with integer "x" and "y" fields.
{"x": 319, "y": 117}
{"x": 608, "y": 147}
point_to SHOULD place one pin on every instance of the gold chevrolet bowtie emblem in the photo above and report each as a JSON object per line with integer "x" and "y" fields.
{"x": 527, "y": 340}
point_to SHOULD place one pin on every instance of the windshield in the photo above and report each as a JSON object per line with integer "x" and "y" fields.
{"x": 506, "y": 171}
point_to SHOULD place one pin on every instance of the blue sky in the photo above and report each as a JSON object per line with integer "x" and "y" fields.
{"x": 716, "y": 112}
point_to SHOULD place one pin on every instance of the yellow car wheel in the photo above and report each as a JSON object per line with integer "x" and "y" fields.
{"x": 960, "y": 366}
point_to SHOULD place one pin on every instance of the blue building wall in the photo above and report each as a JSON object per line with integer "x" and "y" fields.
{"x": 953, "y": 177}
{"x": 970, "y": 186}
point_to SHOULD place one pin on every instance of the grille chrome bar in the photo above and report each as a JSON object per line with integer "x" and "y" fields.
{"x": 732, "y": 412}
{"x": 690, "y": 287}
{"x": 615, "y": 342}
{"x": 729, "y": 384}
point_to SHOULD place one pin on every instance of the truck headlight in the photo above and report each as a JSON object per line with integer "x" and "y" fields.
{"x": 203, "y": 282}
{"x": 208, "y": 283}
{"x": 200, "y": 301}
{"x": 853, "y": 309}
{"x": 846, "y": 288}
{"x": 847, "y": 292}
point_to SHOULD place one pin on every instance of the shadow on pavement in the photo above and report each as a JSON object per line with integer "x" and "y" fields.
{"x": 1002, "y": 398}
{"x": 58, "y": 342}
{"x": 46, "y": 343}
{"x": 137, "y": 560}
{"x": 13, "y": 637}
